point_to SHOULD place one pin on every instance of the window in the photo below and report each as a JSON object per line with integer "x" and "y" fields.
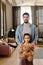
{"x": 41, "y": 15}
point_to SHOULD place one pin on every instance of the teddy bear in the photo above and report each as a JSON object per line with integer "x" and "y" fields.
{"x": 27, "y": 52}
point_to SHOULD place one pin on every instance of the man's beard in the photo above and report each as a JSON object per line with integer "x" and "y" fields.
{"x": 25, "y": 21}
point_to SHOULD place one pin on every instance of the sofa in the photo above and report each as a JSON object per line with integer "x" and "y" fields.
{"x": 6, "y": 50}
{"x": 8, "y": 47}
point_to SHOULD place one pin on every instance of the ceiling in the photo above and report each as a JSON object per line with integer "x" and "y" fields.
{"x": 25, "y": 2}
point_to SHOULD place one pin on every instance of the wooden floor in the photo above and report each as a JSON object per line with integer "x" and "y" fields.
{"x": 14, "y": 59}
{"x": 38, "y": 62}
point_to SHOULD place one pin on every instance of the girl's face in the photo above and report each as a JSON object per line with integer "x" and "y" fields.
{"x": 27, "y": 38}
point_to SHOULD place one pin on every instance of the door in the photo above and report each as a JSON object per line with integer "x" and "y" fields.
{"x": 16, "y": 16}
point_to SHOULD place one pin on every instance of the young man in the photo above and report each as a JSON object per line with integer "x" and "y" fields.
{"x": 26, "y": 27}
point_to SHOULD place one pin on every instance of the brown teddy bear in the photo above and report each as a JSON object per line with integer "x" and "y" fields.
{"x": 27, "y": 49}
{"x": 27, "y": 52}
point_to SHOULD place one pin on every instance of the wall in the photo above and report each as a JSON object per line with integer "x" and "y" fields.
{"x": 0, "y": 17}
{"x": 26, "y": 9}
{"x": 9, "y": 16}
{"x": 39, "y": 2}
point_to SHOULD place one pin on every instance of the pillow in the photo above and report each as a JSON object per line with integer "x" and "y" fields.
{"x": 11, "y": 40}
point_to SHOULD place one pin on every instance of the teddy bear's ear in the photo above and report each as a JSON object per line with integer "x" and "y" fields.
{"x": 21, "y": 51}
{"x": 30, "y": 58}
{"x": 23, "y": 56}
{"x": 32, "y": 52}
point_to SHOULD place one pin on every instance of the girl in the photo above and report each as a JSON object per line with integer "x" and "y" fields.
{"x": 26, "y": 51}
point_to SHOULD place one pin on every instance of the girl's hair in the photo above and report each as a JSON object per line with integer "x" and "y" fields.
{"x": 27, "y": 34}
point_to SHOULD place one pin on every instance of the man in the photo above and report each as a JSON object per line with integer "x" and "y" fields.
{"x": 26, "y": 27}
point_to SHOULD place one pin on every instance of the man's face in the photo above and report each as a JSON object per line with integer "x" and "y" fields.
{"x": 26, "y": 18}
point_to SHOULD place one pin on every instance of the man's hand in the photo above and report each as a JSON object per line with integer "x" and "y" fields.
{"x": 32, "y": 45}
{"x": 21, "y": 45}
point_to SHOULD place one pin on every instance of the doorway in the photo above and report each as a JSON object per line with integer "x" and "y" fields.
{"x": 16, "y": 16}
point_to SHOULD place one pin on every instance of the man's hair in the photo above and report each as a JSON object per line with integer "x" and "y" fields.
{"x": 26, "y": 34}
{"x": 26, "y": 14}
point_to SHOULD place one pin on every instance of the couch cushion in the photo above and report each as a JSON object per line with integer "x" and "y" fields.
{"x": 5, "y": 50}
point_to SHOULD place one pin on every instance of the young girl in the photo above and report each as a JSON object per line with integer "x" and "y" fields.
{"x": 26, "y": 51}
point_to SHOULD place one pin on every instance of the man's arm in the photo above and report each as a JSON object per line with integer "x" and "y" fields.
{"x": 17, "y": 35}
{"x": 35, "y": 35}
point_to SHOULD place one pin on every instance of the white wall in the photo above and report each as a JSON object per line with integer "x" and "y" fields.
{"x": 26, "y": 9}
{"x": 39, "y": 2}
{"x": 9, "y": 16}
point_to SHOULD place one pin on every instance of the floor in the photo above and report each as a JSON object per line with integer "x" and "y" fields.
{"x": 14, "y": 59}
